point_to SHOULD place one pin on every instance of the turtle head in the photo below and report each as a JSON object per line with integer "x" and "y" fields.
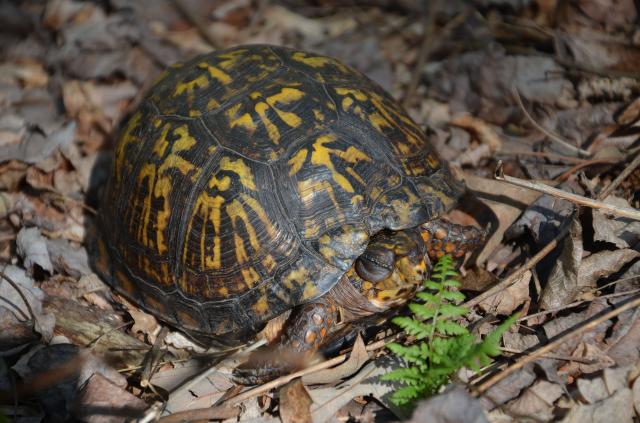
{"x": 393, "y": 267}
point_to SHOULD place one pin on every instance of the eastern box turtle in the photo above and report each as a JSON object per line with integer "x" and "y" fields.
{"x": 259, "y": 179}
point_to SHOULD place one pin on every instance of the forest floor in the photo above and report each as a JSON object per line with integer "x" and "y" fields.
{"x": 544, "y": 91}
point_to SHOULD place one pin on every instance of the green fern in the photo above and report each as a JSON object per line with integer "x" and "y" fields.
{"x": 444, "y": 346}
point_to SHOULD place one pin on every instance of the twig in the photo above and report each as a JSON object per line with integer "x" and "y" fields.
{"x": 552, "y": 135}
{"x": 202, "y": 414}
{"x": 515, "y": 276}
{"x": 576, "y": 304}
{"x": 153, "y": 356}
{"x": 563, "y": 177}
{"x": 621, "y": 177}
{"x": 553, "y": 356}
{"x": 628, "y": 212}
{"x": 316, "y": 368}
{"x": 543, "y": 154}
{"x": 554, "y": 344}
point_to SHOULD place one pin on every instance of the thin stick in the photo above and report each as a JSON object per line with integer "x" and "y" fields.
{"x": 552, "y": 356}
{"x": 552, "y": 135}
{"x": 515, "y": 276}
{"x": 614, "y": 184}
{"x": 320, "y": 366}
{"x": 628, "y": 212}
{"x": 543, "y": 154}
{"x": 586, "y": 163}
{"x": 554, "y": 344}
{"x": 576, "y": 304}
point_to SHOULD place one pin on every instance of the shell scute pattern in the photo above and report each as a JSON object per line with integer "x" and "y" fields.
{"x": 249, "y": 181}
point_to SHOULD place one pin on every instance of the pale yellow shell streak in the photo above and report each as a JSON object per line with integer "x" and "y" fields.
{"x": 127, "y": 138}
{"x": 287, "y": 95}
{"x": 210, "y": 208}
{"x": 321, "y": 155}
{"x": 159, "y": 182}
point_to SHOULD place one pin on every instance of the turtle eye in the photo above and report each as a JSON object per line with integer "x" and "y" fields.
{"x": 376, "y": 264}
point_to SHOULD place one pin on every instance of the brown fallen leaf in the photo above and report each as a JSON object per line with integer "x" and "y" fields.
{"x": 536, "y": 400}
{"x": 509, "y": 299}
{"x": 562, "y": 284}
{"x": 636, "y": 395}
{"x": 102, "y": 401}
{"x": 295, "y": 403}
{"x": 32, "y": 247}
{"x": 615, "y": 408}
{"x": 507, "y": 202}
{"x": 328, "y": 400}
{"x": 453, "y": 405}
{"x": 357, "y": 358}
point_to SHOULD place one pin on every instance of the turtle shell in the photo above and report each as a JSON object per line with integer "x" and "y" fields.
{"x": 250, "y": 179}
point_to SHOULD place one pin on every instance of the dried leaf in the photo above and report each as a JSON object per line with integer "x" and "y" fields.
{"x": 506, "y": 301}
{"x": 622, "y": 232}
{"x": 295, "y": 403}
{"x": 508, "y": 388}
{"x": 68, "y": 259}
{"x": 356, "y": 359}
{"x": 102, "y": 401}
{"x": 507, "y": 202}
{"x": 636, "y": 395}
{"x": 327, "y": 401}
{"x": 562, "y": 284}
{"x": 613, "y": 409}
{"x": 536, "y": 401}
{"x": 32, "y": 247}
{"x": 454, "y": 405}
{"x": 602, "y": 264}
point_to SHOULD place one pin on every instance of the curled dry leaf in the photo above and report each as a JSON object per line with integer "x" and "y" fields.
{"x": 100, "y": 400}
{"x": 508, "y": 388}
{"x": 32, "y": 247}
{"x": 562, "y": 284}
{"x": 506, "y": 201}
{"x": 16, "y": 322}
{"x": 357, "y": 358}
{"x": 295, "y": 403}
{"x": 536, "y": 400}
{"x": 327, "y": 401}
{"x": 509, "y": 299}
{"x": 612, "y": 409}
{"x": 622, "y": 232}
{"x": 453, "y": 405}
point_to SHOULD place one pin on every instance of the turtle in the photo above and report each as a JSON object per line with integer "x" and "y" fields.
{"x": 262, "y": 180}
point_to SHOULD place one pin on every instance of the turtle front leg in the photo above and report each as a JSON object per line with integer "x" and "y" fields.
{"x": 442, "y": 237}
{"x": 306, "y": 328}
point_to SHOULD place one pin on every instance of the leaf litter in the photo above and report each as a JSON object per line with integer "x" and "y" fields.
{"x": 72, "y": 71}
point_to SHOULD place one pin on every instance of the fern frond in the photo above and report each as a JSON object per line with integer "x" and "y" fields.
{"x": 444, "y": 345}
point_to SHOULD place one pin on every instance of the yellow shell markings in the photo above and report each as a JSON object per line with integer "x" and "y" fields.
{"x": 159, "y": 183}
{"x": 210, "y": 208}
{"x": 321, "y": 155}
{"x": 126, "y": 139}
{"x": 286, "y": 96}
{"x": 383, "y": 117}
{"x": 318, "y": 61}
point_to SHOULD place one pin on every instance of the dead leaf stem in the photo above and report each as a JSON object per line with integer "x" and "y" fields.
{"x": 628, "y": 212}
{"x": 515, "y": 276}
{"x": 484, "y": 386}
{"x": 621, "y": 177}
{"x": 552, "y": 135}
